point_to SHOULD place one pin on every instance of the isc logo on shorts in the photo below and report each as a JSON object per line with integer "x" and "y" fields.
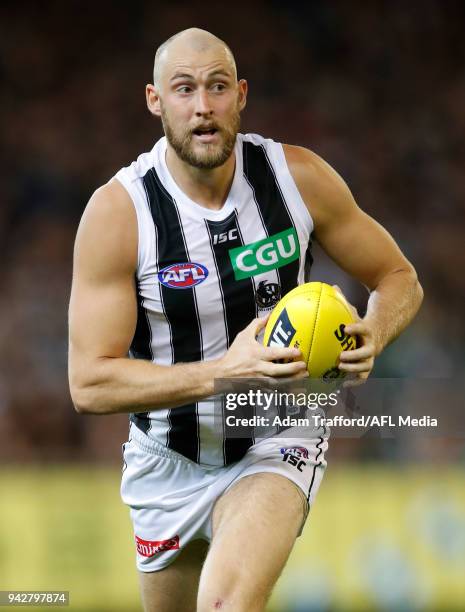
{"x": 298, "y": 451}
{"x": 149, "y": 548}
{"x": 183, "y": 275}
{"x": 295, "y": 455}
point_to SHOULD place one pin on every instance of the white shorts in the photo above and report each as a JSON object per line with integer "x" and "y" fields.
{"x": 171, "y": 498}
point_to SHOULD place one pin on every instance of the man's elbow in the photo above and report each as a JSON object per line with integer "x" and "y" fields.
{"x": 88, "y": 386}
{"x": 414, "y": 286}
{"x": 87, "y": 394}
{"x": 84, "y": 398}
{"x": 420, "y": 294}
{"x": 406, "y": 280}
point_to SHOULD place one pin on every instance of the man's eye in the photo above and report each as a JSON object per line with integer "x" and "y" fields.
{"x": 219, "y": 86}
{"x": 183, "y": 89}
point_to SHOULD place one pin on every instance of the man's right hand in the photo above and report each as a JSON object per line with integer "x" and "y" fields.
{"x": 247, "y": 358}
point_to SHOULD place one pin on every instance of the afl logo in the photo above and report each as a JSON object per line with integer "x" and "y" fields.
{"x": 183, "y": 275}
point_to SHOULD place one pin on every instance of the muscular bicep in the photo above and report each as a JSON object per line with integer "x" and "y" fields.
{"x": 102, "y": 314}
{"x": 359, "y": 244}
{"x": 353, "y": 239}
{"x": 103, "y": 310}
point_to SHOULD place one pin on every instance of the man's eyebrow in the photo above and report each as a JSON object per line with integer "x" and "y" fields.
{"x": 219, "y": 73}
{"x": 190, "y": 77}
{"x": 181, "y": 75}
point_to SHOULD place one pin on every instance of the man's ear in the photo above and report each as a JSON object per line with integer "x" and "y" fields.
{"x": 153, "y": 100}
{"x": 242, "y": 89}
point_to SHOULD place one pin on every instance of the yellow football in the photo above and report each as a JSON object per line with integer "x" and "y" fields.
{"x": 312, "y": 317}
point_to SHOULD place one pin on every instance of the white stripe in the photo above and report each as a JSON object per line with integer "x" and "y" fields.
{"x": 160, "y": 329}
{"x": 219, "y": 285}
{"x": 211, "y": 318}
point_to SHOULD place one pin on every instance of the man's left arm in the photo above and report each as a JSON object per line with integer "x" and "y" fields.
{"x": 365, "y": 250}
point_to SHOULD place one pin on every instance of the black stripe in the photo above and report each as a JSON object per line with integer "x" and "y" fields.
{"x": 252, "y": 439}
{"x": 317, "y": 465}
{"x": 239, "y": 295}
{"x": 123, "y": 448}
{"x": 238, "y": 303}
{"x": 141, "y": 342}
{"x": 180, "y": 308}
{"x": 308, "y": 262}
{"x": 141, "y": 348}
{"x": 251, "y": 278}
{"x": 275, "y": 214}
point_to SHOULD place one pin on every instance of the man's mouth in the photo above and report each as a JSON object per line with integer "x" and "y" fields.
{"x": 208, "y": 131}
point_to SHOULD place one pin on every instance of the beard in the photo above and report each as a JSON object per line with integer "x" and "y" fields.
{"x": 207, "y": 156}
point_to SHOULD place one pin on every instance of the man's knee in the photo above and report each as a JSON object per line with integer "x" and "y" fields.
{"x": 236, "y": 584}
{"x": 231, "y": 598}
{"x": 254, "y": 528}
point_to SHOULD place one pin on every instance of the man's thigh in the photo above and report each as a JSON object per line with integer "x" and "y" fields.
{"x": 175, "y": 588}
{"x": 255, "y": 524}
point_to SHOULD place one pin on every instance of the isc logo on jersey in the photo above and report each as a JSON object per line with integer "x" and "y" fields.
{"x": 183, "y": 275}
{"x": 225, "y": 236}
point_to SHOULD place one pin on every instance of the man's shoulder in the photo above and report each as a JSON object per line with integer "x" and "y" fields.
{"x": 300, "y": 159}
{"x": 320, "y": 186}
{"x": 309, "y": 168}
{"x": 111, "y": 198}
{"x": 107, "y": 231}
{"x": 138, "y": 168}
{"x": 109, "y": 207}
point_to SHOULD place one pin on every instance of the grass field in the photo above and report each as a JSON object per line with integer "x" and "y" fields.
{"x": 376, "y": 539}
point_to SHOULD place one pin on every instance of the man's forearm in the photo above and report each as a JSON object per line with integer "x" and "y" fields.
{"x": 392, "y": 305}
{"x": 122, "y": 385}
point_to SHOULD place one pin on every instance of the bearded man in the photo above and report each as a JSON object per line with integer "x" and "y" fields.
{"x": 170, "y": 292}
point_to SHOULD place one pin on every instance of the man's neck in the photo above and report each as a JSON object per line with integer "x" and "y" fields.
{"x": 209, "y": 188}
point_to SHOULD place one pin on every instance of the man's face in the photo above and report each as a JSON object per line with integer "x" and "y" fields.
{"x": 199, "y": 103}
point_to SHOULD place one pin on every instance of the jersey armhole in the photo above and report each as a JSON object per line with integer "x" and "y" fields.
{"x": 119, "y": 176}
{"x": 287, "y": 180}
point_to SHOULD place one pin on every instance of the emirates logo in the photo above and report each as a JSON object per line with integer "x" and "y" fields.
{"x": 149, "y": 548}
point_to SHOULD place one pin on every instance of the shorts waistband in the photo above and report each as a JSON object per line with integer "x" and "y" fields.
{"x": 149, "y": 445}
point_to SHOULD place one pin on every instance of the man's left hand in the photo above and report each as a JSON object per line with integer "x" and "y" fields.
{"x": 360, "y": 361}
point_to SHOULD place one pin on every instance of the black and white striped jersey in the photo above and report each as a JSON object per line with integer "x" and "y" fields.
{"x": 203, "y": 275}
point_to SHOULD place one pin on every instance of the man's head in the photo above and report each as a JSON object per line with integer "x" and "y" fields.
{"x": 198, "y": 97}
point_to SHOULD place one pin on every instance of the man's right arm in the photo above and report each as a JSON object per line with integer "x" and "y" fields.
{"x": 103, "y": 316}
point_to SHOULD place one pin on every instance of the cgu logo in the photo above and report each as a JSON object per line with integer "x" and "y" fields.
{"x": 267, "y": 254}
{"x": 225, "y": 236}
{"x": 183, "y": 275}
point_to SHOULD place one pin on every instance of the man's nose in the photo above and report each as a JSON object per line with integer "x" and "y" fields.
{"x": 203, "y": 105}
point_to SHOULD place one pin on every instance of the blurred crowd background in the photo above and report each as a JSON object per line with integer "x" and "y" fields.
{"x": 376, "y": 88}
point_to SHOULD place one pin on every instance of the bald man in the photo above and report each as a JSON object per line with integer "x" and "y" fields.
{"x": 178, "y": 260}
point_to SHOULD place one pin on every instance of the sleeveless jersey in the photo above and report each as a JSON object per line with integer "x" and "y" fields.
{"x": 203, "y": 275}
